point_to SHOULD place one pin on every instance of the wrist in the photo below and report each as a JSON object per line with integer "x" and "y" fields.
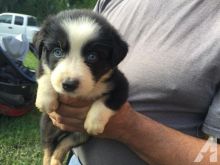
{"x": 117, "y": 128}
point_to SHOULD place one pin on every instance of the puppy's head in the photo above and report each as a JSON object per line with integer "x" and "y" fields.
{"x": 78, "y": 49}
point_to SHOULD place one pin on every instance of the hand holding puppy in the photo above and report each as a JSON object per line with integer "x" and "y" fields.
{"x": 71, "y": 114}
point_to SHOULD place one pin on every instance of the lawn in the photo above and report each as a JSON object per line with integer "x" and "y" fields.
{"x": 19, "y": 136}
{"x": 20, "y": 140}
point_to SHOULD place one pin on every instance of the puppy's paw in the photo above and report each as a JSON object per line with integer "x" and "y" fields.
{"x": 97, "y": 118}
{"x": 47, "y": 97}
{"x": 94, "y": 126}
{"x": 55, "y": 162}
{"x": 47, "y": 103}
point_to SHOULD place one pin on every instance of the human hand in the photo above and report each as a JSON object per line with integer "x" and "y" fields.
{"x": 71, "y": 114}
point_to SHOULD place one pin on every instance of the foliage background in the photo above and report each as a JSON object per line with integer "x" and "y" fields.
{"x": 43, "y": 8}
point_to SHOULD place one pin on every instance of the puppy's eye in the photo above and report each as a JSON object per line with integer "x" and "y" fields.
{"x": 92, "y": 57}
{"x": 58, "y": 52}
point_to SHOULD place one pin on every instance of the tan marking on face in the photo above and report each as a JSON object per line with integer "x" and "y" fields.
{"x": 100, "y": 87}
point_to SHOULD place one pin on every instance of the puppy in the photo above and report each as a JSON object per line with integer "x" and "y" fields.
{"x": 79, "y": 53}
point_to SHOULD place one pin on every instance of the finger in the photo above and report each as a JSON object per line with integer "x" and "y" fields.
{"x": 72, "y": 112}
{"x": 53, "y": 121}
{"x": 66, "y": 123}
{"x": 52, "y": 115}
{"x": 66, "y": 120}
{"x": 74, "y": 101}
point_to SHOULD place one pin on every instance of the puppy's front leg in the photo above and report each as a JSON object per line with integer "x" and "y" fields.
{"x": 47, "y": 155}
{"x": 97, "y": 117}
{"x": 46, "y": 100}
{"x": 65, "y": 145}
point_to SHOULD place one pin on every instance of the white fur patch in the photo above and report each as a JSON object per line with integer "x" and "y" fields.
{"x": 46, "y": 99}
{"x": 80, "y": 31}
{"x": 97, "y": 117}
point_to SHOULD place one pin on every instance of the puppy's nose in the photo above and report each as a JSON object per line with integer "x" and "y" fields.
{"x": 70, "y": 85}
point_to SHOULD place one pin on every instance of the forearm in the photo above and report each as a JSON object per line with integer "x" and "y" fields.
{"x": 154, "y": 142}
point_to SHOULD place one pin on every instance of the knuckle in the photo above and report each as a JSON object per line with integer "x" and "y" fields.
{"x": 54, "y": 123}
{"x": 59, "y": 119}
{"x": 62, "y": 127}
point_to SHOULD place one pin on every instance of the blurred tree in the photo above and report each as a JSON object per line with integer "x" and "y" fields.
{"x": 81, "y": 3}
{"x": 43, "y": 8}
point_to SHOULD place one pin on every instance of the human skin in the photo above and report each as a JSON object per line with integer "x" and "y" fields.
{"x": 153, "y": 142}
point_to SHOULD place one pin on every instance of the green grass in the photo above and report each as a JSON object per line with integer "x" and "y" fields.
{"x": 19, "y": 136}
{"x": 30, "y": 61}
{"x": 20, "y": 140}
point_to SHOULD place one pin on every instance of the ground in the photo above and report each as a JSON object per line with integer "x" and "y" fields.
{"x": 20, "y": 140}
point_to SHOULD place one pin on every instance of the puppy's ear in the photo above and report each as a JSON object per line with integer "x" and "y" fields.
{"x": 120, "y": 49}
{"x": 38, "y": 42}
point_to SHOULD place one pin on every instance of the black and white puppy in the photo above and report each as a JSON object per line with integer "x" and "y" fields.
{"x": 79, "y": 52}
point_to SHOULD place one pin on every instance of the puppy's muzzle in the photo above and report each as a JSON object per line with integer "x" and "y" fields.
{"x": 70, "y": 85}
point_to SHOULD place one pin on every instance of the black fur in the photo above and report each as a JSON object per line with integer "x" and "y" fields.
{"x": 119, "y": 93}
{"x": 111, "y": 51}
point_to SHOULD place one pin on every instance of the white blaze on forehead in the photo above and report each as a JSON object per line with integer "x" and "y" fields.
{"x": 79, "y": 31}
